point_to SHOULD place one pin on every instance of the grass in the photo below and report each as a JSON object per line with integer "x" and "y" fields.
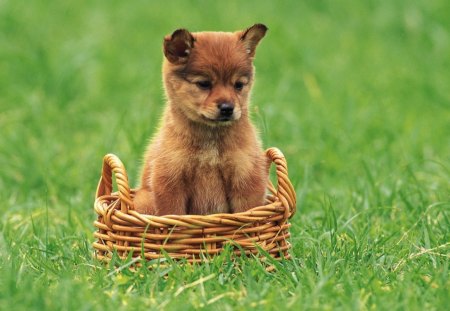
{"x": 355, "y": 93}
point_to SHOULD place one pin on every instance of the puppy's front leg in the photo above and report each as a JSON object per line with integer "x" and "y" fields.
{"x": 143, "y": 201}
{"x": 170, "y": 197}
{"x": 248, "y": 192}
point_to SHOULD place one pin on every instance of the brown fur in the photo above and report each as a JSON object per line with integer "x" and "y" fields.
{"x": 197, "y": 163}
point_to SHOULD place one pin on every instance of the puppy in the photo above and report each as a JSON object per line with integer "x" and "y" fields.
{"x": 206, "y": 157}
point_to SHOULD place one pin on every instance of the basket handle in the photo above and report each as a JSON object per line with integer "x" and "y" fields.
{"x": 111, "y": 163}
{"x": 285, "y": 190}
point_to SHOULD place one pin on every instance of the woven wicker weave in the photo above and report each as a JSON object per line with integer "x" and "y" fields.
{"x": 193, "y": 237}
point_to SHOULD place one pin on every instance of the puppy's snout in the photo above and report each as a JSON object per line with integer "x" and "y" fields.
{"x": 225, "y": 109}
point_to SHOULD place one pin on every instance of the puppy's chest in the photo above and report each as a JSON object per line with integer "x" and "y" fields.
{"x": 227, "y": 163}
{"x": 207, "y": 161}
{"x": 207, "y": 157}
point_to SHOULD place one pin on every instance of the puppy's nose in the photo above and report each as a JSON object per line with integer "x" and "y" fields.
{"x": 226, "y": 109}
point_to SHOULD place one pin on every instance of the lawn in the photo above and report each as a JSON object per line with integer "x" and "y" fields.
{"x": 355, "y": 93}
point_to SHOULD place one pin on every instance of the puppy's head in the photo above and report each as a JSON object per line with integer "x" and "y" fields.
{"x": 208, "y": 75}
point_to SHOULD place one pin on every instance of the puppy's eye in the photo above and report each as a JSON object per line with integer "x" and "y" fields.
{"x": 238, "y": 86}
{"x": 204, "y": 84}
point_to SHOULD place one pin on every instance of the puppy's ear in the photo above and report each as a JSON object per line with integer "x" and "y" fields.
{"x": 178, "y": 46}
{"x": 251, "y": 37}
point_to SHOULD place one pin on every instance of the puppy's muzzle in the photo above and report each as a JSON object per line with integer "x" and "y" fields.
{"x": 225, "y": 111}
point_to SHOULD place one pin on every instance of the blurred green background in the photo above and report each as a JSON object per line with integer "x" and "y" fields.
{"x": 355, "y": 93}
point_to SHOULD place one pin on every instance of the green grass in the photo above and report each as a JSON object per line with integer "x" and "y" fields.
{"x": 355, "y": 93}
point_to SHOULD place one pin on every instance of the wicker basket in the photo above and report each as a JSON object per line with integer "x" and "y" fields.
{"x": 192, "y": 237}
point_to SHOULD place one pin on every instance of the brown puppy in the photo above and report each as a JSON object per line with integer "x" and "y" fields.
{"x": 206, "y": 157}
